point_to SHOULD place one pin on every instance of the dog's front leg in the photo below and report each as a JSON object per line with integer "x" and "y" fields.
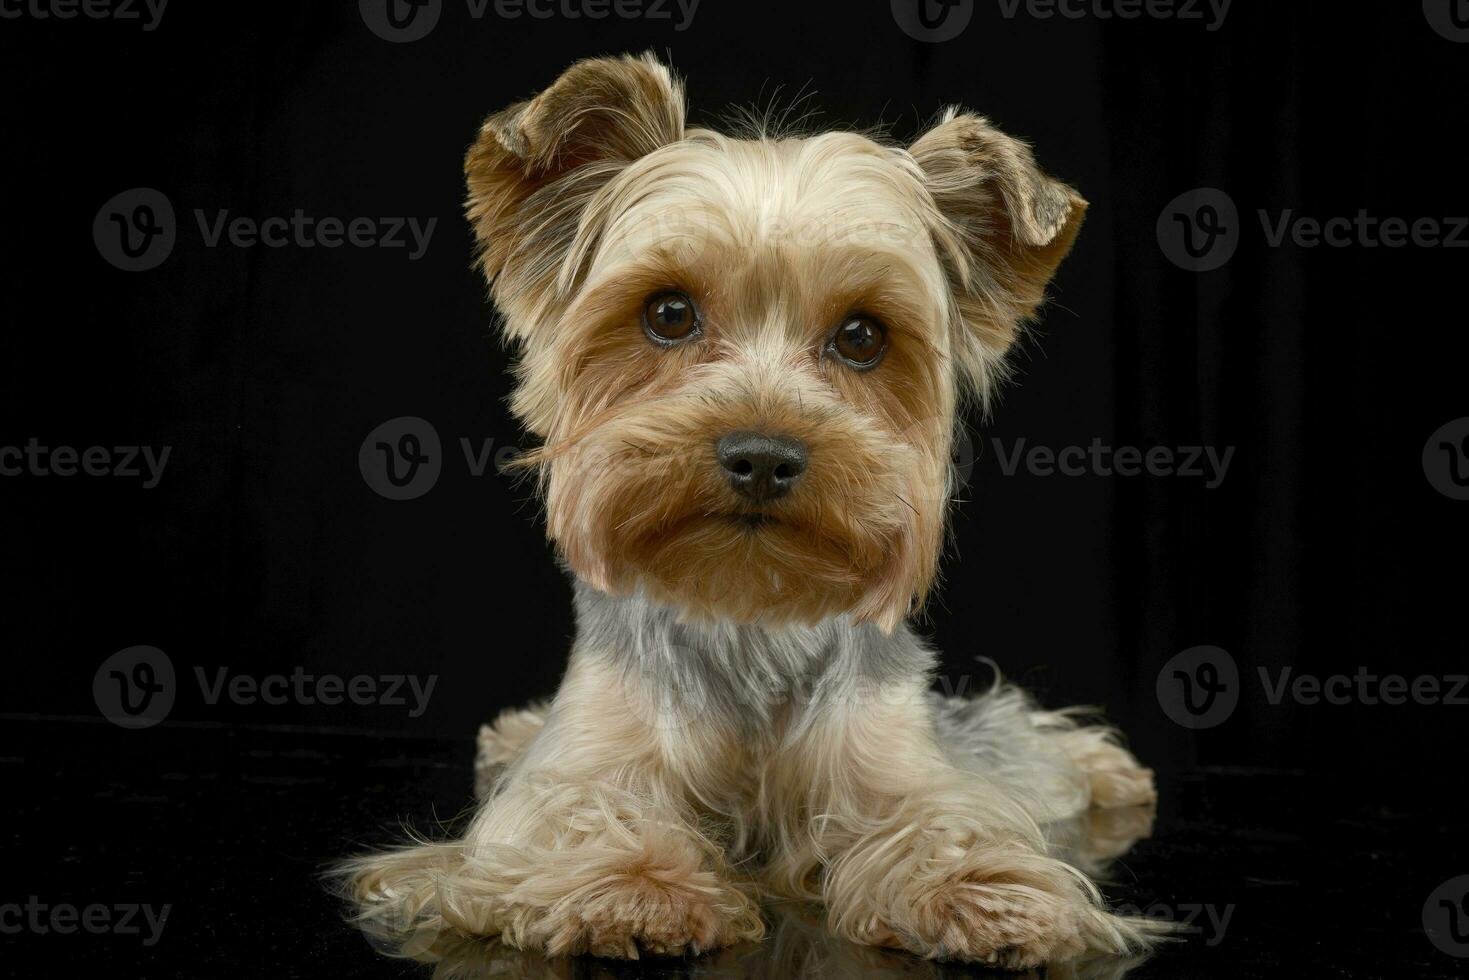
{"x": 909, "y": 851}
{"x": 587, "y": 842}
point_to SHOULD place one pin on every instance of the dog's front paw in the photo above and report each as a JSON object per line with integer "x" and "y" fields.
{"x": 1005, "y": 905}
{"x": 991, "y": 919}
{"x": 653, "y": 917}
{"x": 636, "y": 913}
{"x": 1113, "y": 774}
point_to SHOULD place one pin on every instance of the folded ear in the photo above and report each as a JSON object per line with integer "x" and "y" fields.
{"x": 1008, "y": 228}
{"x": 536, "y": 162}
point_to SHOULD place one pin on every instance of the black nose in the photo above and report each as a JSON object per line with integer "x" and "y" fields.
{"x": 761, "y": 467}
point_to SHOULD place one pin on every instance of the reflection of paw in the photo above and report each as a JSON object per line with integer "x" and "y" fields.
{"x": 1115, "y": 776}
{"x": 640, "y": 912}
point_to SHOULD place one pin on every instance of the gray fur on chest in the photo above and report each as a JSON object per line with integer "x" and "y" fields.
{"x": 742, "y": 675}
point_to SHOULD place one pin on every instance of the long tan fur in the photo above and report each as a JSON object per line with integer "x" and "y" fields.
{"x": 746, "y": 713}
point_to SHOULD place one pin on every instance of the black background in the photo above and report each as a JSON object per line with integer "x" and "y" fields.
{"x": 262, "y": 549}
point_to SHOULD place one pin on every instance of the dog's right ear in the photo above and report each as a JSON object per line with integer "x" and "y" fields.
{"x": 536, "y": 163}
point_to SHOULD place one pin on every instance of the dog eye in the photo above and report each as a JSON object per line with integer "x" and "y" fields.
{"x": 860, "y": 341}
{"x": 670, "y": 317}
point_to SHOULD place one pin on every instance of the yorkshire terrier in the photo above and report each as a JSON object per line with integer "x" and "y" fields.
{"x": 746, "y": 360}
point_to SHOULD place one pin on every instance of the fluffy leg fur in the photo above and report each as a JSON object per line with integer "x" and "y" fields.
{"x": 907, "y": 849}
{"x": 1048, "y": 759}
{"x": 923, "y": 822}
{"x": 587, "y": 845}
{"x": 499, "y": 744}
{"x": 1064, "y": 766}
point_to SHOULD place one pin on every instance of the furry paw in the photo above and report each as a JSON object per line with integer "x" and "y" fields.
{"x": 637, "y": 913}
{"x": 1004, "y": 905}
{"x": 499, "y": 744}
{"x": 1115, "y": 776}
{"x": 1112, "y": 832}
{"x": 993, "y": 920}
{"x": 649, "y": 916}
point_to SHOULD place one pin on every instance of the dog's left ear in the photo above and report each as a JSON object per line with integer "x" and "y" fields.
{"x": 1010, "y": 226}
{"x": 537, "y": 162}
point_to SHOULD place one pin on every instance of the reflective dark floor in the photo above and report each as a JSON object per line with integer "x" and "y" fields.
{"x": 195, "y": 852}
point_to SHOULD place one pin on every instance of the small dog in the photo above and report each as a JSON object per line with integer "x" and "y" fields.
{"x": 746, "y": 359}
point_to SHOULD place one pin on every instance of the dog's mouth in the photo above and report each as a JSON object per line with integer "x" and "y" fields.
{"x": 751, "y": 520}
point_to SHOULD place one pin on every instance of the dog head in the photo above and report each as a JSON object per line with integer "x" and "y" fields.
{"x": 746, "y": 357}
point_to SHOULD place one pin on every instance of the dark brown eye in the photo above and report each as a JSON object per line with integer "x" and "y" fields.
{"x": 670, "y": 317}
{"x": 860, "y": 340}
